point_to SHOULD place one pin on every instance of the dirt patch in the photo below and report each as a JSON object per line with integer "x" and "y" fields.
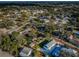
{"x": 4, "y": 54}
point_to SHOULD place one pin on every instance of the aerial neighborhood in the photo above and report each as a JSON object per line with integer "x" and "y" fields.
{"x": 40, "y": 31}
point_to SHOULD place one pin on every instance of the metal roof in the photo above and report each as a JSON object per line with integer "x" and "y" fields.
{"x": 26, "y": 52}
{"x": 50, "y": 44}
{"x": 52, "y": 48}
{"x": 56, "y": 50}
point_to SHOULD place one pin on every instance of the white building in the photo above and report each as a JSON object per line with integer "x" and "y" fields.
{"x": 50, "y": 44}
{"x": 26, "y": 52}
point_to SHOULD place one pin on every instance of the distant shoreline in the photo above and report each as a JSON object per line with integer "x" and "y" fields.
{"x": 28, "y": 3}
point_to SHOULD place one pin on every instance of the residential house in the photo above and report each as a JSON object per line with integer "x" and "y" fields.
{"x": 69, "y": 52}
{"x": 26, "y": 52}
{"x": 44, "y": 18}
{"x": 52, "y": 49}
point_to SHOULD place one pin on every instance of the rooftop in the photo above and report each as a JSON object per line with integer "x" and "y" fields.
{"x": 26, "y": 52}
